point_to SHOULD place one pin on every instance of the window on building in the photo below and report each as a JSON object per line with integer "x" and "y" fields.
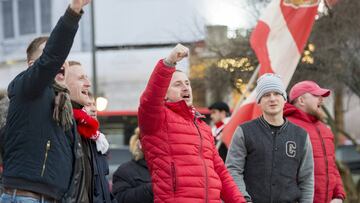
{"x": 45, "y": 16}
{"x": 26, "y": 13}
{"x": 25, "y": 17}
{"x": 8, "y": 19}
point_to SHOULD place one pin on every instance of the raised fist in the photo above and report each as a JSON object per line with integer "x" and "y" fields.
{"x": 77, "y": 5}
{"x": 177, "y": 54}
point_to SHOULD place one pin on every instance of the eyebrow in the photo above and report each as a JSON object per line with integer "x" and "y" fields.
{"x": 181, "y": 81}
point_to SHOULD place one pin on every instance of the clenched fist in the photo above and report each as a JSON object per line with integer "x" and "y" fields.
{"x": 77, "y": 5}
{"x": 177, "y": 54}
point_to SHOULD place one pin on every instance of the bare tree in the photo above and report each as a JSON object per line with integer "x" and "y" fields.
{"x": 336, "y": 56}
{"x": 227, "y": 64}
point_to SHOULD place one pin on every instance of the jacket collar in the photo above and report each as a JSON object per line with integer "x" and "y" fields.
{"x": 265, "y": 124}
{"x": 182, "y": 109}
{"x": 142, "y": 163}
{"x": 291, "y": 110}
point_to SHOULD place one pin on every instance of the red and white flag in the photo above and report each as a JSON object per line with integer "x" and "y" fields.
{"x": 278, "y": 41}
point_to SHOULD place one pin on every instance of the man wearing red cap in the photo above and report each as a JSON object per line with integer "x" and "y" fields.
{"x": 304, "y": 109}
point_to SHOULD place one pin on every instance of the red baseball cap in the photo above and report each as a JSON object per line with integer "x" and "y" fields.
{"x": 307, "y": 86}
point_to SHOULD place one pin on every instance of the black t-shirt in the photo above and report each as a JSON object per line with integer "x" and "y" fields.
{"x": 275, "y": 128}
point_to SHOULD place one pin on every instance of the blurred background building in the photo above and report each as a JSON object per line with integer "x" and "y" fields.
{"x": 130, "y": 37}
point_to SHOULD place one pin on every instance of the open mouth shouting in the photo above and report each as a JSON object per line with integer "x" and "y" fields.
{"x": 320, "y": 104}
{"x": 186, "y": 96}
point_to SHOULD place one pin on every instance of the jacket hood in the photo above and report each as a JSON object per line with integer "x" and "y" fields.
{"x": 291, "y": 111}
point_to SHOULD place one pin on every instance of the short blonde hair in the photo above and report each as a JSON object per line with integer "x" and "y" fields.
{"x": 134, "y": 145}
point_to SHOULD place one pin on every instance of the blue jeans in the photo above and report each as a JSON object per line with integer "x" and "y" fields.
{"x": 13, "y": 198}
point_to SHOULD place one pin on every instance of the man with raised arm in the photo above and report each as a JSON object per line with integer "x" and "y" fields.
{"x": 179, "y": 147}
{"x": 42, "y": 155}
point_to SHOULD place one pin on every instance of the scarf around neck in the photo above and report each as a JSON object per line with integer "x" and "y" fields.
{"x": 62, "y": 113}
{"x": 87, "y": 126}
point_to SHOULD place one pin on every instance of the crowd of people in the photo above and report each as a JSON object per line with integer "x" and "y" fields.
{"x": 53, "y": 151}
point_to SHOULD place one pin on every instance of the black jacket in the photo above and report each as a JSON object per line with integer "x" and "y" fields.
{"x": 132, "y": 183}
{"x": 39, "y": 156}
{"x": 97, "y": 168}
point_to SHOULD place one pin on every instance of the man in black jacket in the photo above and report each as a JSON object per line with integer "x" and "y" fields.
{"x": 42, "y": 156}
{"x": 96, "y": 167}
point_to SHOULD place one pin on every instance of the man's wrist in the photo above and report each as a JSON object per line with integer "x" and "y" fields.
{"x": 74, "y": 13}
{"x": 72, "y": 18}
{"x": 169, "y": 63}
{"x": 76, "y": 8}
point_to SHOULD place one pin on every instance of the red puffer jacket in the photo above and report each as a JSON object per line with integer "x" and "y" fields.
{"x": 179, "y": 148}
{"x": 328, "y": 183}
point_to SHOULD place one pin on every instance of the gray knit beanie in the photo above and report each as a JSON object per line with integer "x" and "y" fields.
{"x": 269, "y": 82}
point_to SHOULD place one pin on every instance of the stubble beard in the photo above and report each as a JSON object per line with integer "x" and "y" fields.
{"x": 318, "y": 113}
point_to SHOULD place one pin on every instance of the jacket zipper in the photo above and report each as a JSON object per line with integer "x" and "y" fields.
{"x": 326, "y": 162}
{"x": 173, "y": 172}
{"x": 202, "y": 158}
{"x": 45, "y": 159}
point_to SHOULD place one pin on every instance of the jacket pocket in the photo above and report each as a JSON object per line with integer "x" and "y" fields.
{"x": 173, "y": 176}
{"x": 47, "y": 148}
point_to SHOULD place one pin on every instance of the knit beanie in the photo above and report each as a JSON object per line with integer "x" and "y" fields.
{"x": 269, "y": 82}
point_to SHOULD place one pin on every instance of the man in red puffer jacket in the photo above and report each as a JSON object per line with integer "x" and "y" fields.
{"x": 179, "y": 148}
{"x": 306, "y": 98}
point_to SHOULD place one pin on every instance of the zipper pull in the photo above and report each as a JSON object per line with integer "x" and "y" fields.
{"x": 48, "y": 145}
{"x": 47, "y": 148}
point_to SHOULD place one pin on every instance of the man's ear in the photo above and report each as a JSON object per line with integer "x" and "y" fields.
{"x": 63, "y": 73}
{"x": 300, "y": 100}
{"x": 30, "y": 62}
{"x": 60, "y": 78}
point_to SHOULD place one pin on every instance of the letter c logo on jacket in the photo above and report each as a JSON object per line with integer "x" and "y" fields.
{"x": 291, "y": 149}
